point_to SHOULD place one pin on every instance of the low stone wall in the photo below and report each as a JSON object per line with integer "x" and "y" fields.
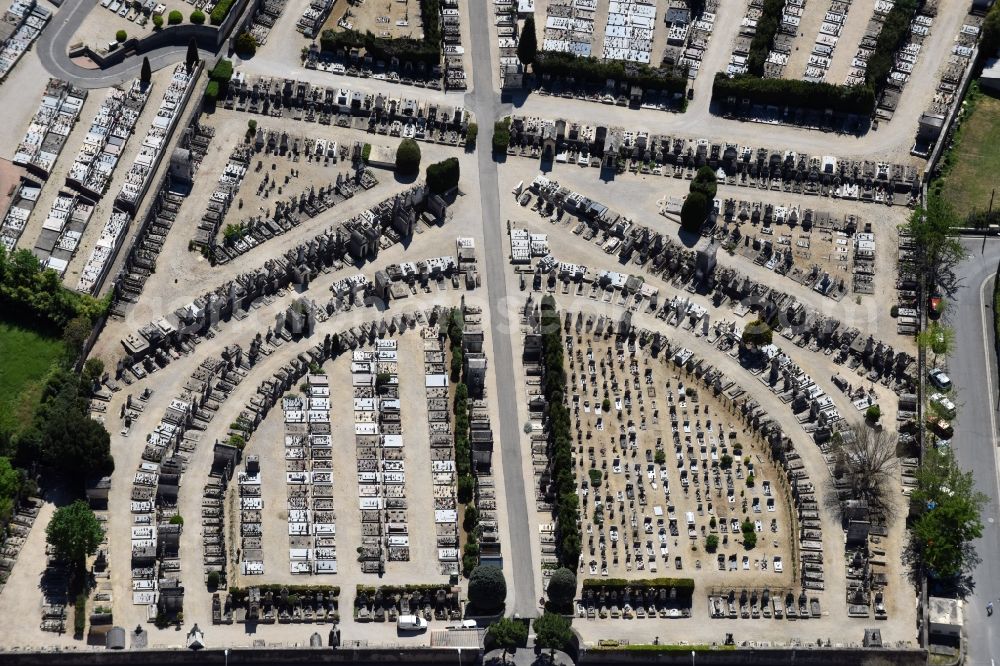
{"x": 759, "y": 657}
{"x": 262, "y": 656}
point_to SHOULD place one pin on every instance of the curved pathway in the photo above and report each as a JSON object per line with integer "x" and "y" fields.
{"x": 53, "y": 52}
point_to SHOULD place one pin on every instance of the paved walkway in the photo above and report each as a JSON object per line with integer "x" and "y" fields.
{"x": 53, "y": 51}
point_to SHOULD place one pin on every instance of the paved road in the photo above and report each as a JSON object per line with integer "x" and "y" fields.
{"x": 973, "y": 368}
{"x": 53, "y": 49}
{"x": 486, "y": 104}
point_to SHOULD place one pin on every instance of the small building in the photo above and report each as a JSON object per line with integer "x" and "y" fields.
{"x": 945, "y": 617}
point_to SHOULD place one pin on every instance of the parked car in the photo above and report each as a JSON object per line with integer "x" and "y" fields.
{"x": 411, "y": 623}
{"x": 939, "y": 379}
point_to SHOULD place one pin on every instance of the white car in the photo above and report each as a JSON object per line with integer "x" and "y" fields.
{"x": 939, "y": 379}
{"x": 411, "y": 623}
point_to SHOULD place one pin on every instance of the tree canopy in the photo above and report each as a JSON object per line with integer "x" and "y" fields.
{"x": 705, "y": 182}
{"x": 937, "y": 250}
{"x": 192, "y": 55}
{"x": 694, "y": 211}
{"x": 62, "y": 435}
{"x": 949, "y": 515}
{"x": 408, "y": 157}
{"x": 552, "y": 632}
{"x": 10, "y": 486}
{"x": 527, "y": 42}
{"x": 487, "y": 587}
{"x": 38, "y": 293}
{"x": 146, "y": 73}
{"x": 509, "y": 634}
{"x": 757, "y": 333}
{"x": 443, "y": 176}
{"x": 74, "y": 532}
{"x": 562, "y": 589}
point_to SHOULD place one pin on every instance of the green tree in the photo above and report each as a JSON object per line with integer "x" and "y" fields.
{"x": 93, "y": 370}
{"x": 873, "y": 413}
{"x": 562, "y": 589}
{"x": 553, "y": 632}
{"x": 487, "y": 588}
{"x": 949, "y": 516}
{"x": 757, "y": 334}
{"x": 694, "y": 212}
{"x": 705, "y": 182}
{"x": 527, "y": 43}
{"x": 408, "y": 158}
{"x": 501, "y": 135}
{"x": 443, "y": 176}
{"x": 175, "y": 17}
{"x": 75, "y": 335}
{"x": 146, "y": 73}
{"x": 10, "y": 486}
{"x": 711, "y": 543}
{"x": 245, "y": 45}
{"x": 74, "y": 533}
{"x": 197, "y": 17}
{"x": 509, "y": 634}
{"x": 191, "y": 59}
{"x": 936, "y": 248}
{"x": 121, "y": 36}
{"x": 157, "y": 21}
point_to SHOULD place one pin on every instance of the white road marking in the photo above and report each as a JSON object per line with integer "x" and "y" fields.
{"x": 989, "y": 373}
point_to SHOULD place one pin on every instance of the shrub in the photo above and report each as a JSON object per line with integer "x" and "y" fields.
{"x": 213, "y": 580}
{"x": 80, "y": 615}
{"x": 466, "y": 487}
{"x": 726, "y": 461}
{"x": 443, "y": 176}
{"x": 660, "y": 457}
{"x": 596, "y": 478}
{"x": 177, "y": 520}
{"x": 220, "y": 11}
{"x": 121, "y": 36}
{"x": 705, "y": 182}
{"x": 471, "y": 518}
{"x": 408, "y": 157}
{"x": 711, "y": 543}
{"x": 873, "y": 413}
{"x": 245, "y": 44}
{"x": 158, "y": 21}
{"x": 174, "y": 17}
{"x": 501, "y": 135}
{"x": 471, "y": 134}
{"x": 223, "y": 71}
{"x": 366, "y": 152}
{"x": 693, "y": 212}
{"x": 757, "y": 333}
{"x": 487, "y": 588}
{"x": 212, "y": 91}
{"x": 562, "y": 589}
{"x": 606, "y": 405}
{"x": 750, "y": 481}
{"x": 197, "y": 17}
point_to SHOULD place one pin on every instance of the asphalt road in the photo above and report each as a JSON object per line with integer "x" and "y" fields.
{"x": 53, "y": 49}
{"x": 973, "y": 369}
{"x": 486, "y": 105}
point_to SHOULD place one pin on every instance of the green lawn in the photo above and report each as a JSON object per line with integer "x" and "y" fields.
{"x": 25, "y": 359}
{"x": 975, "y": 160}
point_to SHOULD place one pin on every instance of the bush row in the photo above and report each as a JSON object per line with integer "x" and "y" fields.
{"x": 597, "y": 72}
{"x": 763, "y": 39}
{"x": 680, "y": 584}
{"x": 563, "y": 469}
{"x": 794, "y": 93}
{"x": 220, "y": 11}
{"x": 895, "y": 31}
{"x": 239, "y": 594}
{"x": 427, "y": 50}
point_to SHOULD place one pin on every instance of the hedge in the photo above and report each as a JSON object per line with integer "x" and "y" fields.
{"x": 763, "y": 39}
{"x": 212, "y": 91}
{"x": 239, "y": 594}
{"x": 596, "y": 72}
{"x": 560, "y": 448}
{"x": 681, "y": 584}
{"x": 895, "y": 31}
{"x": 220, "y": 11}
{"x": 443, "y": 176}
{"x": 427, "y": 50}
{"x": 501, "y": 135}
{"x": 794, "y": 93}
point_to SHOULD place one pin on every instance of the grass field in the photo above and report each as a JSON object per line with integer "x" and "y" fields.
{"x": 25, "y": 359}
{"x": 975, "y": 159}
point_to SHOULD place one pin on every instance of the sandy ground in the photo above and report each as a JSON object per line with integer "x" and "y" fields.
{"x": 379, "y": 17}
